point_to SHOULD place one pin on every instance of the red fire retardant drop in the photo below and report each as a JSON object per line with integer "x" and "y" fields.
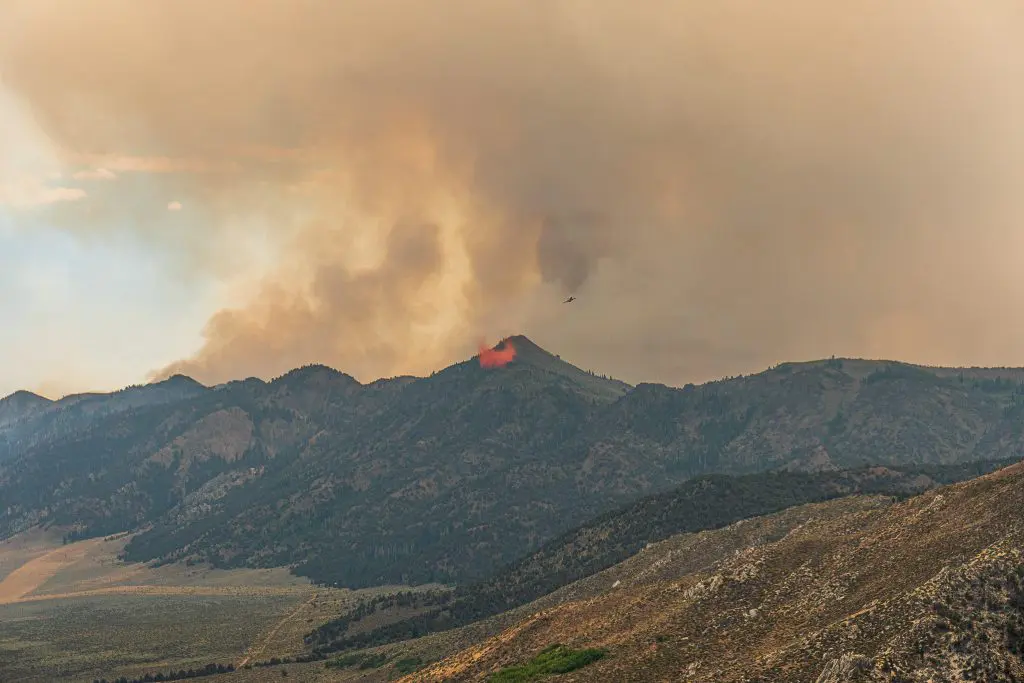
{"x": 497, "y": 358}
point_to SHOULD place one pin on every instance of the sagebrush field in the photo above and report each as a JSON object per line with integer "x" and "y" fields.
{"x": 76, "y": 612}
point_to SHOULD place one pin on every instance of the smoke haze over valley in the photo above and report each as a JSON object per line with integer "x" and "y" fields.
{"x": 238, "y": 188}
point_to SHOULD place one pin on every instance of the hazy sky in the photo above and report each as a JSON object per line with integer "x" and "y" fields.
{"x": 236, "y": 187}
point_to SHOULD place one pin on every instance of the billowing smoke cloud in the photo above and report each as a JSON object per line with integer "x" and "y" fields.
{"x": 724, "y": 185}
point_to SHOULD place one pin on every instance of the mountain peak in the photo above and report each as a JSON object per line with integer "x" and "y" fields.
{"x": 179, "y": 380}
{"x": 529, "y": 355}
{"x": 314, "y": 372}
{"x": 523, "y": 342}
{"x": 525, "y": 348}
{"x": 25, "y": 397}
{"x": 21, "y": 404}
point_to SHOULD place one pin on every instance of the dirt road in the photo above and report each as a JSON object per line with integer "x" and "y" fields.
{"x": 255, "y": 652}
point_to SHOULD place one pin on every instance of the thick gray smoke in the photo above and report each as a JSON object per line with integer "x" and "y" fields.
{"x": 724, "y": 185}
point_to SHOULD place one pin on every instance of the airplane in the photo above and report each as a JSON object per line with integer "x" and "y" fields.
{"x": 569, "y": 300}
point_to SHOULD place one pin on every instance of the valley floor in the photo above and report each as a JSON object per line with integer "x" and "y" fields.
{"x": 873, "y": 589}
{"x": 75, "y": 612}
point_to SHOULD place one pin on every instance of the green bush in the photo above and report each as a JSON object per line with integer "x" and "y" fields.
{"x": 554, "y": 659}
{"x": 374, "y": 661}
{"x": 363, "y": 661}
{"x": 407, "y": 665}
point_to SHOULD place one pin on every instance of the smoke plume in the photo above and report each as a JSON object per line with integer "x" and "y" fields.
{"x": 724, "y": 185}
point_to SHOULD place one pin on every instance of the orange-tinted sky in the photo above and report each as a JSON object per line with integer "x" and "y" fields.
{"x": 237, "y": 187}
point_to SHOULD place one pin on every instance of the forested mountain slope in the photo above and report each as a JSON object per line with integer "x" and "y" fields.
{"x": 452, "y": 476}
{"x": 701, "y": 504}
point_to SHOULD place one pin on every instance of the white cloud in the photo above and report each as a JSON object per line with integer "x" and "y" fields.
{"x": 30, "y": 191}
{"x": 174, "y": 206}
{"x": 95, "y": 174}
{"x": 141, "y": 164}
{"x": 51, "y": 195}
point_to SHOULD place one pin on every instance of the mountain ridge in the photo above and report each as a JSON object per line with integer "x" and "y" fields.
{"x": 534, "y": 350}
{"x": 448, "y": 477}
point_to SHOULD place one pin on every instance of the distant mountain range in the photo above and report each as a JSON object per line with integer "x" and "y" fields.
{"x": 453, "y": 476}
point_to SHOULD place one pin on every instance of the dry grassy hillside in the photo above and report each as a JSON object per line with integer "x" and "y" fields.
{"x": 929, "y": 589}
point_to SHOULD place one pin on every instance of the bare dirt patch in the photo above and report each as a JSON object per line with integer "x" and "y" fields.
{"x": 17, "y": 550}
{"x": 39, "y": 568}
{"x": 35, "y": 572}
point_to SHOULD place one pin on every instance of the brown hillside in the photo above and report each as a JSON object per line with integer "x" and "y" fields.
{"x": 930, "y": 589}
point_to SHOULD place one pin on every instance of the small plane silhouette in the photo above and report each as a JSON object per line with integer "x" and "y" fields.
{"x": 569, "y": 300}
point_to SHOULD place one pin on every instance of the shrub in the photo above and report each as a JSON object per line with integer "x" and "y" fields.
{"x": 407, "y": 665}
{"x": 554, "y": 659}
